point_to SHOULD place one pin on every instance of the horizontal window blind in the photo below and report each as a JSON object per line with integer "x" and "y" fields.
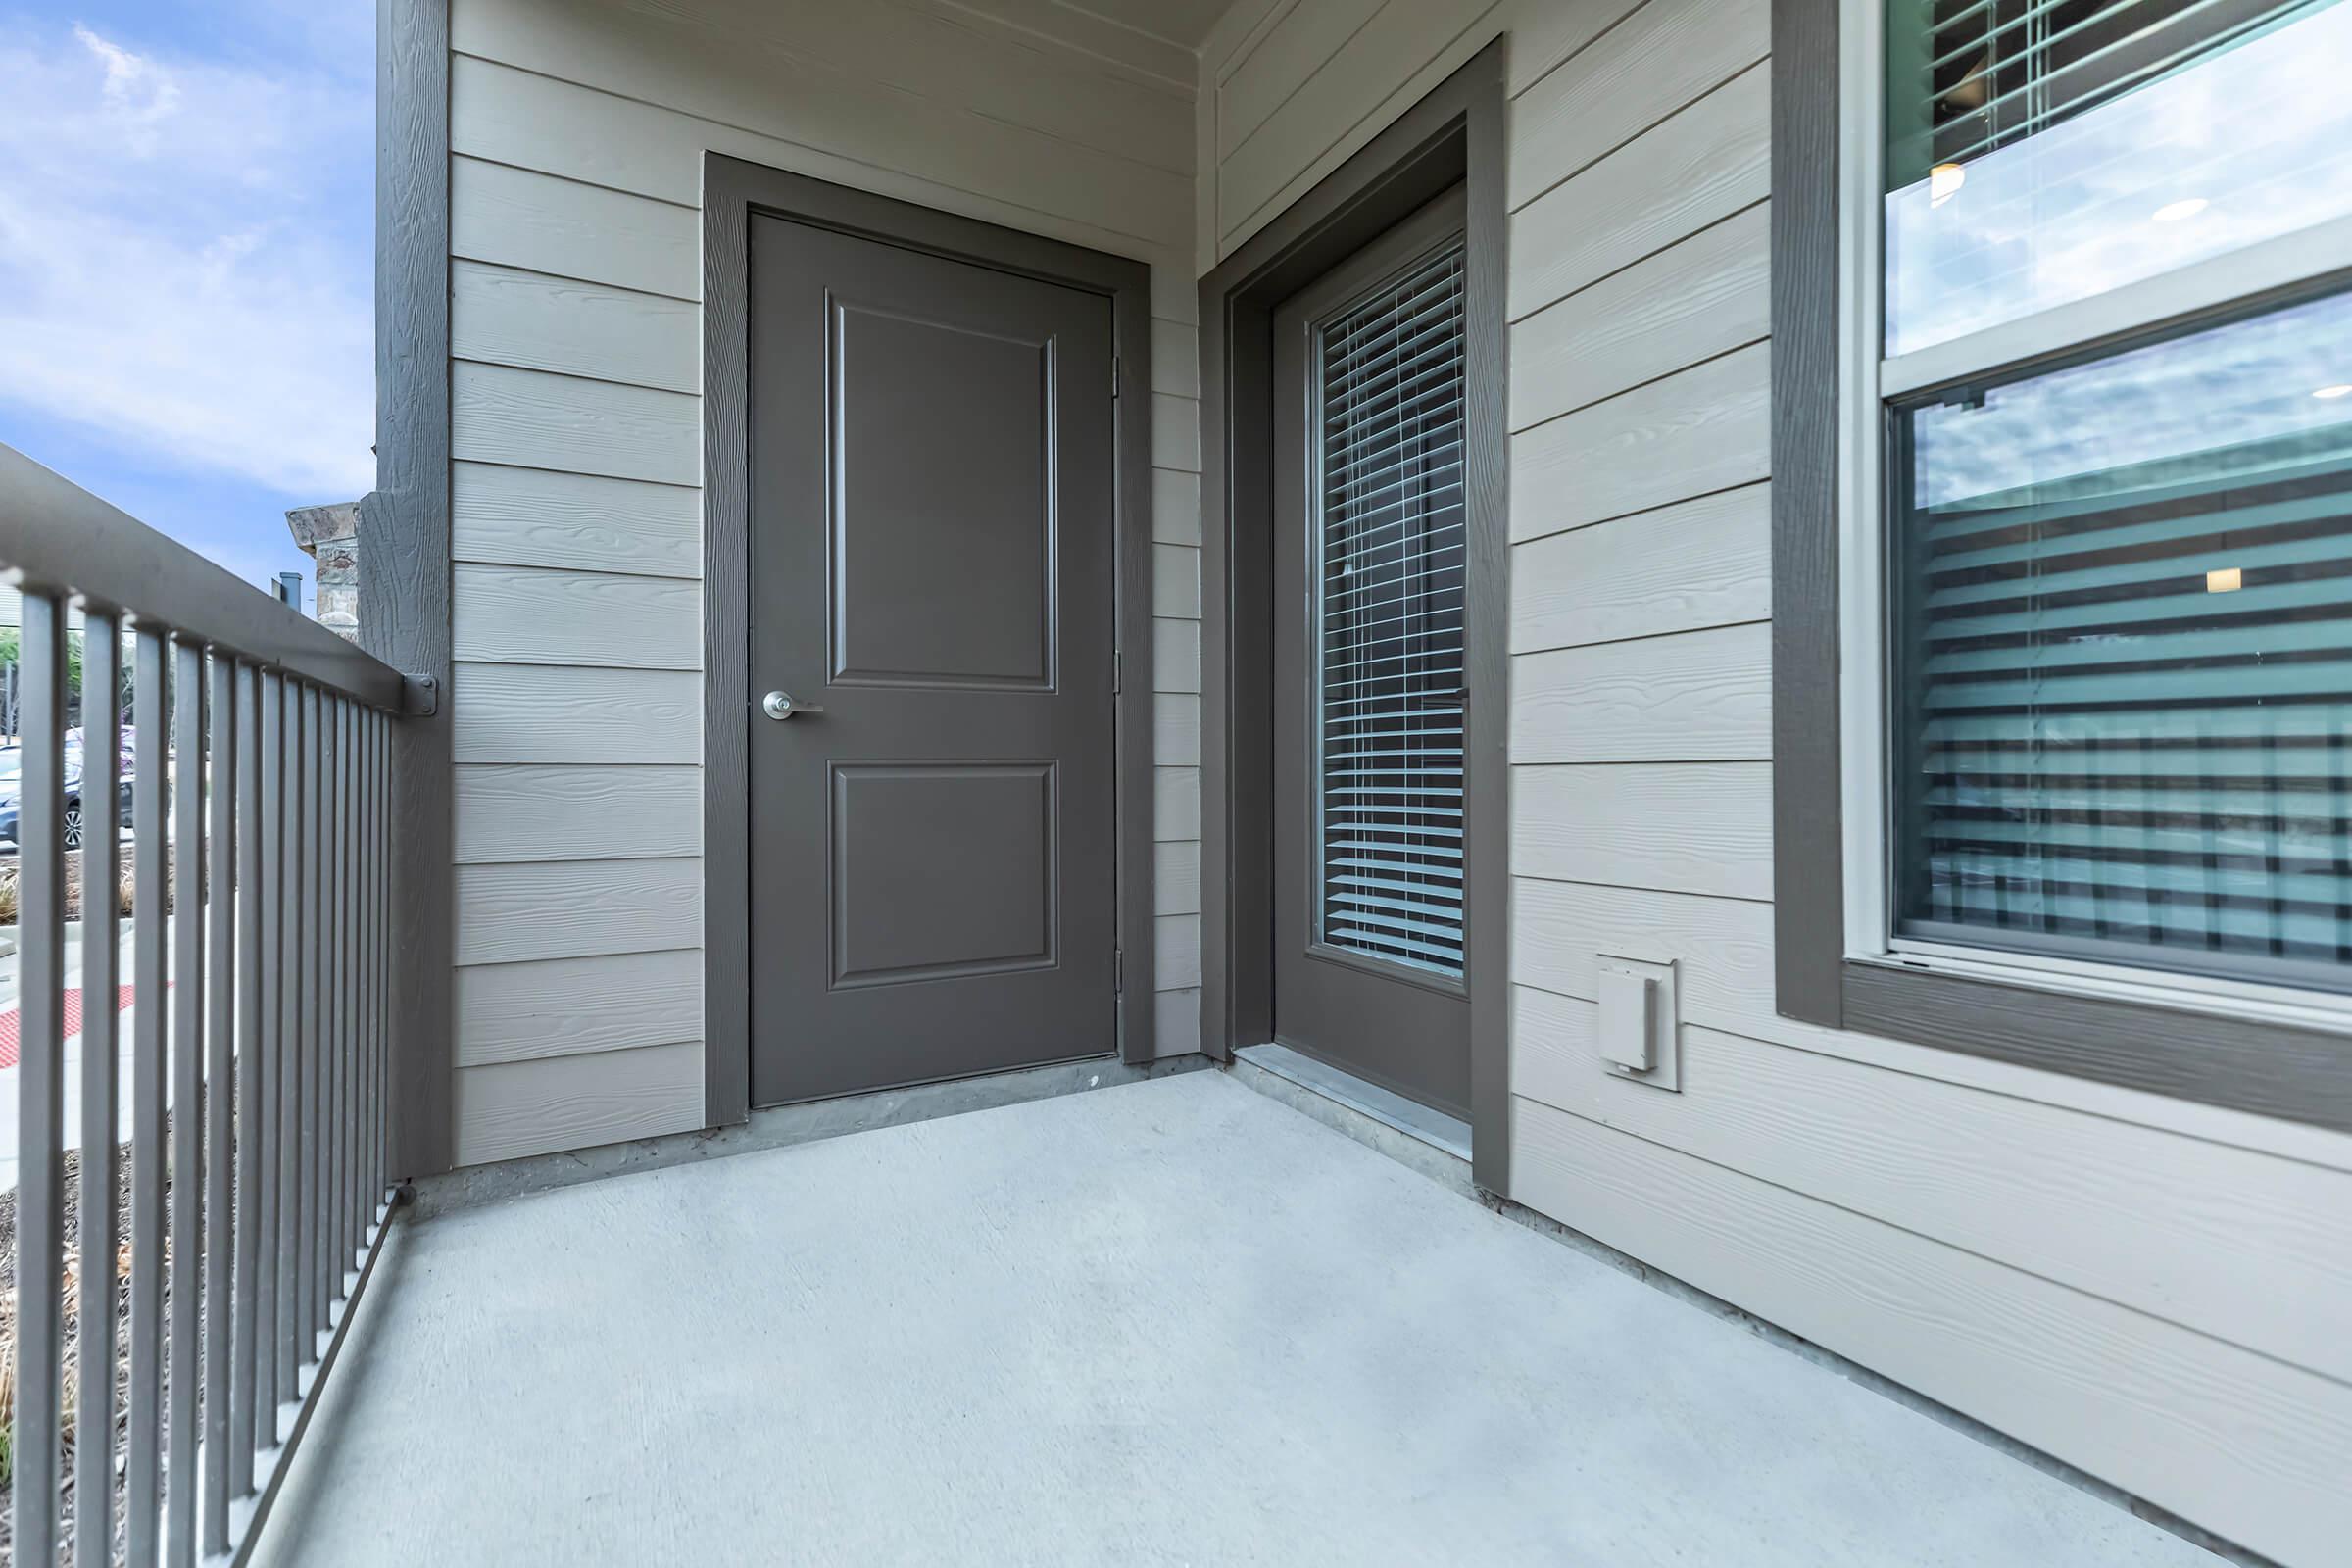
{"x": 1966, "y": 76}
{"x": 2124, "y": 695}
{"x": 1388, "y": 574}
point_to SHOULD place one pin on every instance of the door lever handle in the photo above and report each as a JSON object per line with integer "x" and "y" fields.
{"x": 780, "y": 705}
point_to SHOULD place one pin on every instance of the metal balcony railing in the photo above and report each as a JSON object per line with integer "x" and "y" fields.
{"x": 257, "y": 1092}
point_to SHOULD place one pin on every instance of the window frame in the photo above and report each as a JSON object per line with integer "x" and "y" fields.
{"x": 2260, "y": 1046}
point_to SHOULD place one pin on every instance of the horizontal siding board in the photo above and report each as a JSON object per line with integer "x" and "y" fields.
{"x": 2236, "y": 1442}
{"x": 1176, "y": 879}
{"x": 1175, "y": 805}
{"x": 510, "y": 517}
{"x": 1702, "y": 696}
{"x": 1702, "y": 429}
{"x": 555, "y": 713}
{"x": 1684, "y": 568}
{"x": 1176, "y": 730}
{"x": 536, "y": 323}
{"x": 502, "y": 415}
{"x": 2232, "y": 1244}
{"x": 544, "y": 224}
{"x": 577, "y": 909}
{"x": 525, "y": 614}
{"x": 549, "y": 813}
{"x": 1699, "y": 167}
{"x": 1096, "y": 39}
{"x": 1175, "y": 432}
{"x": 1723, "y": 948}
{"x": 1695, "y": 300}
{"x": 1368, "y": 73}
{"x": 1175, "y": 293}
{"x": 1175, "y": 1023}
{"x": 1546, "y": 34}
{"x": 1175, "y": 654}
{"x": 1265, "y": 75}
{"x": 1175, "y": 507}
{"x": 574, "y": 1006}
{"x": 510, "y": 1109}
{"x": 1176, "y": 953}
{"x": 1175, "y": 359}
{"x": 830, "y": 129}
{"x": 1690, "y": 827}
{"x": 884, "y": 82}
{"x": 1176, "y": 582}
{"x": 1664, "y": 56}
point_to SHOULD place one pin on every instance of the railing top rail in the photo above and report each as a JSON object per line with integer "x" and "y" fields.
{"x": 56, "y": 537}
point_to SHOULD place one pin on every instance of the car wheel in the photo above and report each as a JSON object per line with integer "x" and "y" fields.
{"x": 73, "y": 824}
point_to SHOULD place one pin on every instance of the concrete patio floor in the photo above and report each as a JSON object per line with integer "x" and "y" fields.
{"x": 1172, "y": 1321}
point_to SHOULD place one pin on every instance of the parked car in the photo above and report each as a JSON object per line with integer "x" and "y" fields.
{"x": 11, "y": 760}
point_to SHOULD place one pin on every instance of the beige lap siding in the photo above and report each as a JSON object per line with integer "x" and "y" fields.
{"x": 2149, "y": 1290}
{"x": 578, "y": 129}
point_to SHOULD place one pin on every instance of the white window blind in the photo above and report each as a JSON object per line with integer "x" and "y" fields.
{"x": 1388, "y": 574}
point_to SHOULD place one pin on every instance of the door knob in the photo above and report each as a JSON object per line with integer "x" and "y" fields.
{"x": 779, "y": 705}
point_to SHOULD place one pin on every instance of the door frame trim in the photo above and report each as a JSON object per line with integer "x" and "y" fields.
{"x": 1453, "y": 135}
{"x": 732, "y": 190}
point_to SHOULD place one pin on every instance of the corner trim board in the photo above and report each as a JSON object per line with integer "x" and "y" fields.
{"x": 732, "y": 190}
{"x": 1455, "y": 134}
{"x": 405, "y": 618}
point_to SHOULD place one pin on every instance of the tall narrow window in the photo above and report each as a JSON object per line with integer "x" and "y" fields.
{"x": 1388, "y": 567}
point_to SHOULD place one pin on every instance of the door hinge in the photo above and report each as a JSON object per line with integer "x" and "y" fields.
{"x": 1118, "y": 971}
{"x": 1118, "y": 666}
{"x": 1114, "y": 375}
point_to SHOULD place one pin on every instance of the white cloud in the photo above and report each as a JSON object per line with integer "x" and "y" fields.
{"x": 181, "y": 269}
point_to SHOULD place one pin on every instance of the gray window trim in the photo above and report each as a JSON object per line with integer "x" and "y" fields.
{"x": 1454, "y": 134}
{"x": 2276, "y": 1070}
{"x": 405, "y": 605}
{"x": 733, "y": 190}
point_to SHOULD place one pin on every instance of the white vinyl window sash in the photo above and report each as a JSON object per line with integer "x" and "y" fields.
{"x": 1867, "y": 380}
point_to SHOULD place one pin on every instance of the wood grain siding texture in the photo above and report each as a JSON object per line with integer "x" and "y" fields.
{"x": 543, "y": 224}
{"x": 578, "y": 129}
{"x": 2145, "y": 1286}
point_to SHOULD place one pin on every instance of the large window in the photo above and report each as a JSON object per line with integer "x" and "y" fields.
{"x": 2097, "y": 457}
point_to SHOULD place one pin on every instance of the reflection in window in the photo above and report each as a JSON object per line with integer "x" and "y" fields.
{"x": 2122, "y": 602}
{"x": 2041, "y": 152}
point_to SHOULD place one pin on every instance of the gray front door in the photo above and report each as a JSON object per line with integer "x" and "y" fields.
{"x": 932, "y": 523}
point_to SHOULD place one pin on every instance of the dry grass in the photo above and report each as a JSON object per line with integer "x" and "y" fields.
{"x": 125, "y": 884}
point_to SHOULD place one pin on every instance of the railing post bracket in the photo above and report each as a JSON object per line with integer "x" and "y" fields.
{"x": 420, "y": 696}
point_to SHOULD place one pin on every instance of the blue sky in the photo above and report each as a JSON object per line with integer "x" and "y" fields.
{"x": 186, "y": 261}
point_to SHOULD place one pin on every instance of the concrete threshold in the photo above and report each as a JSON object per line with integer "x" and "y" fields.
{"x": 783, "y": 1126}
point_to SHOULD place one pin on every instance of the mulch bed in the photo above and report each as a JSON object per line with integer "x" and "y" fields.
{"x": 73, "y": 1335}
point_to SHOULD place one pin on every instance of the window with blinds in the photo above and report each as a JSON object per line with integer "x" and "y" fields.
{"x": 1967, "y": 76}
{"x": 1387, "y": 653}
{"x": 2121, "y": 620}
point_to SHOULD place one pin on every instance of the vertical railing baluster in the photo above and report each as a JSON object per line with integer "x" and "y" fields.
{"x": 377, "y": 902}
{"x": 272, "y": 1006}
{"x": 340, "y": 925}
{"x": 40, "y": 1077}
{"x": 218, "y": 1218}
{"x": 101, "y": 1023}
{"x": 291, "y": 1289}
{"x": 314, "y": 841}
{"x": 151, "y": 1001}
{"x": 331, "y": 1005}
{"x": 188, "y": 862}
{"x": 250, "y": 898}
